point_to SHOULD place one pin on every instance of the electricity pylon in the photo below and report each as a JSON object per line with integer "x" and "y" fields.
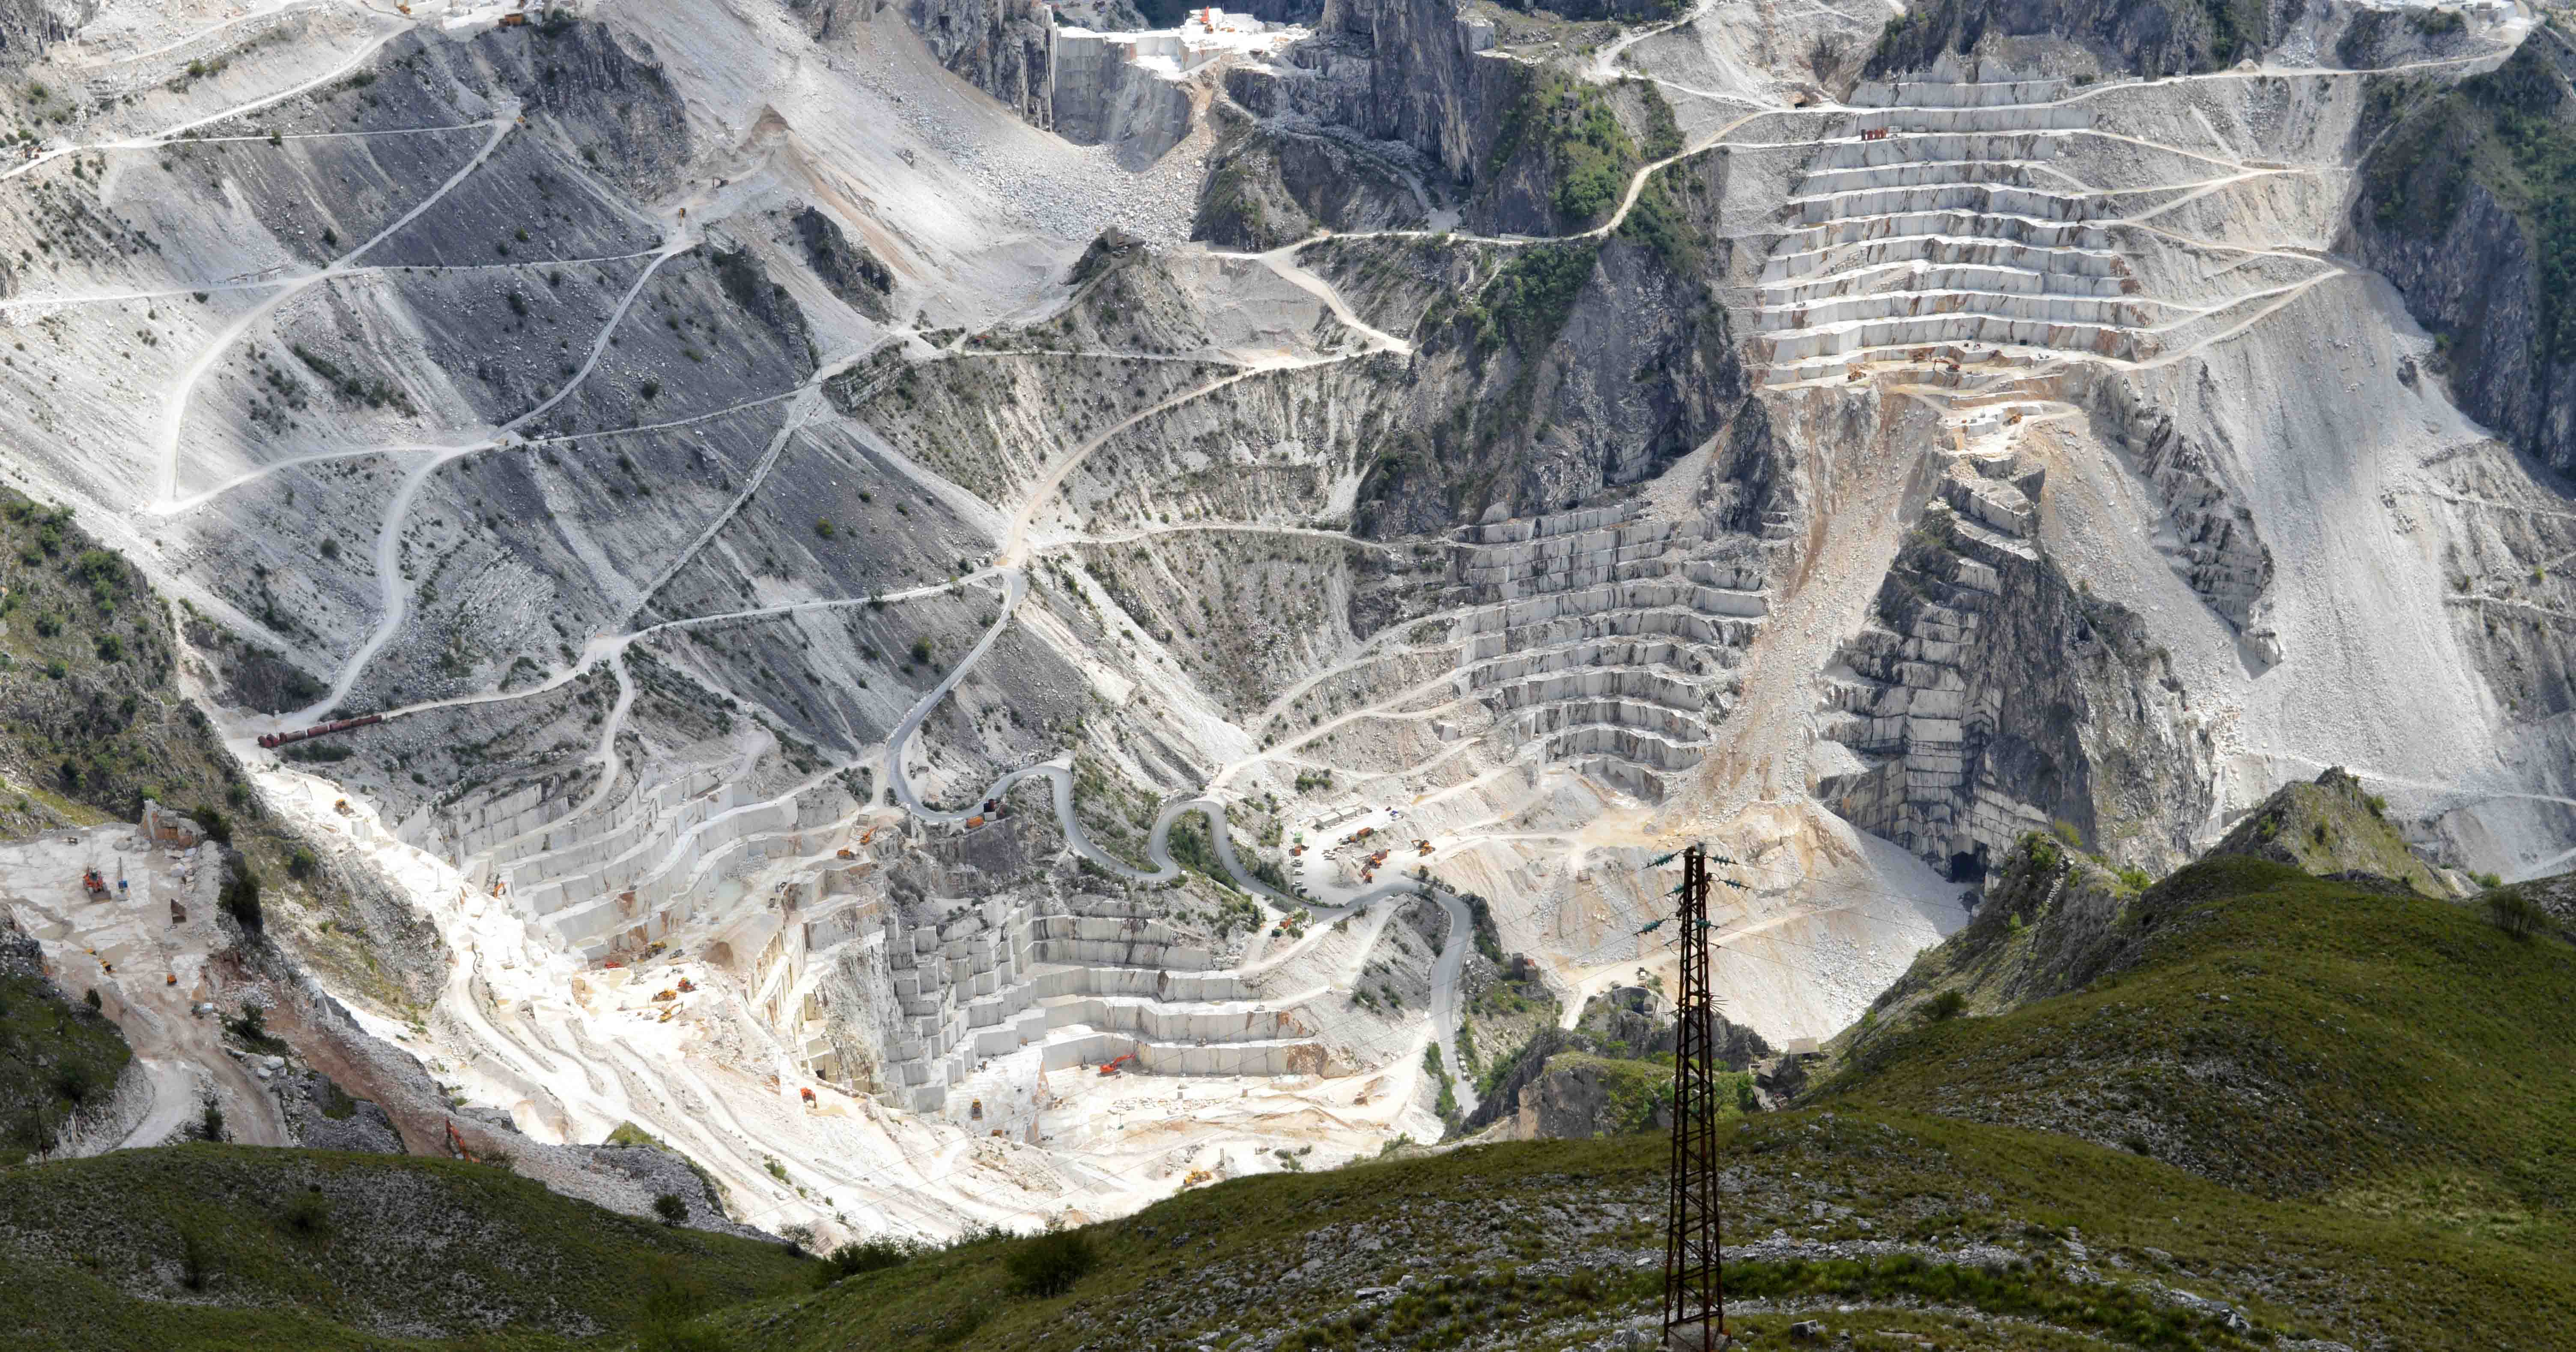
{"x": 1694, "y": 1299}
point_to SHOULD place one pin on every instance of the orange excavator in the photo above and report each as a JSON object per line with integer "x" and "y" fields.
{"x": 1111, "y": 1067}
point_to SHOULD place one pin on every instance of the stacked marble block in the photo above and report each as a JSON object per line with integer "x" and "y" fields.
{"x": 961, "y": 993}
{"x": 1944, "y": 233}
{"x": 1609, "y": 640}
{"x": 1906, "y": 706}
{"x": 621, "y": 875}
{"x": 1115, "y": 986}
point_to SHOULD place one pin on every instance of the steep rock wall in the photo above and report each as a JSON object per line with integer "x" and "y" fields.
{"x": 1993, "y": 699}
{"x": 1103, "y": 98}
{"x": 2154, "y": 38}
{"x": 1392, "y": 70}
{"x": 2465, "y": 207}
{"x": 1004, "y": 47}
{"x": 28, "y": 26}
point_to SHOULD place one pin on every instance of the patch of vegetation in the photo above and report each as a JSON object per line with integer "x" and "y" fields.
{"x": 258, "y": 1237}
{"x": 56, "y": 1058}
{"x": 1529, "y": 299}
{"x": 1569, "y": 124}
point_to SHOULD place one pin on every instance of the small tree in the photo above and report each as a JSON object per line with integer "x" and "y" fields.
{"x": 1946, "y": 1005}
{"x": 670, "y": 1208}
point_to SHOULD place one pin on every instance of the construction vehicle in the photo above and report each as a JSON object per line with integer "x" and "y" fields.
{"x": 1111, "y": 1067}
{"x": 685, "y": 987}
{"x": 93, "y": 884}
{"x": 514, "y": 19}
{"x": 974, "y": 821}
{"x": 849, "y": 854}
{"x": 272, "y": 741}
{"x": 341, "y": 806}
{"x": 806, "y": 1092}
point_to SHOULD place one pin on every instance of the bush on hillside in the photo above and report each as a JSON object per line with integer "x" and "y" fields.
{"x": 1050, "y": 1264}
{"x": 869, "y": 1255}
{"x": 2516, "y": 914}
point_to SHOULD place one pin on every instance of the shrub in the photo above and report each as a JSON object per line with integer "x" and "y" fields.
{"x": 196, "y": 1260}
{"x": 873, "y": 1255}
{"x": 241, "y": 900}
{"x": 1050, "y": 1264}
{"x": 2066, "y": 832}
{"x": 823, "y": 527}
{"x": 299, "y": 865}
{"x": 308, "y": 1215}
{"x": 218, "y": 828}
{"x": 210, "y": 1125}
{"x": 2516, "y": 914}
{"x": 670, "y": 1208}
{"x": 1946, "y": 1005}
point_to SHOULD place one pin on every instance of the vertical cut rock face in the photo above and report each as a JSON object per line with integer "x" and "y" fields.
{"x": 1004, "y": 47}
{"x": 1103, "y": 98}
{"x": 1391, "y": 70}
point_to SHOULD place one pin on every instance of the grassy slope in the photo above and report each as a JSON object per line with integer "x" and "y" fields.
{"x": 2289, "y": 1036}
{"x": 93, "y": 1251}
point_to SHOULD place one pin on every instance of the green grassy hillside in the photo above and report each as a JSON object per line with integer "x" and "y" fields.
{"x": 229, "y": 1247}
{"x": 2288, "y": 1036}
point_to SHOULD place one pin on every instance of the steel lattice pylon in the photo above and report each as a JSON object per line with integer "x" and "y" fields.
{"x": 1694, "y": 1299}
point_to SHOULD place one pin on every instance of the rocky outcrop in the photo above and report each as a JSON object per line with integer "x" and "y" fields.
{"x": 851, "y": 271}
{"x": 2481, "y": 249}
{"x": 1102, "y": 97}
{"x": 2216, "y": 547}
{"x": 2152, "y": 38}
{"x": 2335, "y": 829}
{"x": 2045, "y": 928}
{"x": 27, "y": 27}
{"x": 1392, "y": 70}
{"x": 1269, "y": 186}
{"x": 1004, "y": 47}
{"x": 1991, "y": 698}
